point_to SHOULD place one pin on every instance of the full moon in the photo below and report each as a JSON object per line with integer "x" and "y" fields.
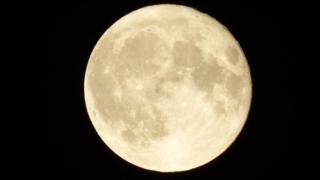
{"x": 167, "y": 88}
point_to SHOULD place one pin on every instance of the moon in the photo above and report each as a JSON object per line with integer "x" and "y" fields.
{"x": 167, "y": 88}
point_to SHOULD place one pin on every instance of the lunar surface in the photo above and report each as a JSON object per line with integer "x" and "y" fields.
{"x": 167, "y": 88}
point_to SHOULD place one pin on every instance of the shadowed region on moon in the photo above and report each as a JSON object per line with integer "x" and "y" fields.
{"x": 232, "y": 54}
{"x": 162, "y": 94}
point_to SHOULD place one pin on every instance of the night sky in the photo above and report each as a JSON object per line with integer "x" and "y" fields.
{"x": 261, "y": 150}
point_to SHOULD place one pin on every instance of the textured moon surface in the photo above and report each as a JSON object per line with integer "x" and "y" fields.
{"x": 167, "y": 88}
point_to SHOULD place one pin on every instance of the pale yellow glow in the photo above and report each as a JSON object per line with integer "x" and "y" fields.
{"x": 167, "y": 88}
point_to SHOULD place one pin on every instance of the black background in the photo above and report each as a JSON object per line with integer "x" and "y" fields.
{"x": 261, "y": 150}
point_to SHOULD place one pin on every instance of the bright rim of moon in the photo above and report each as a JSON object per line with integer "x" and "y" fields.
{"x": 168, "y": 88}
